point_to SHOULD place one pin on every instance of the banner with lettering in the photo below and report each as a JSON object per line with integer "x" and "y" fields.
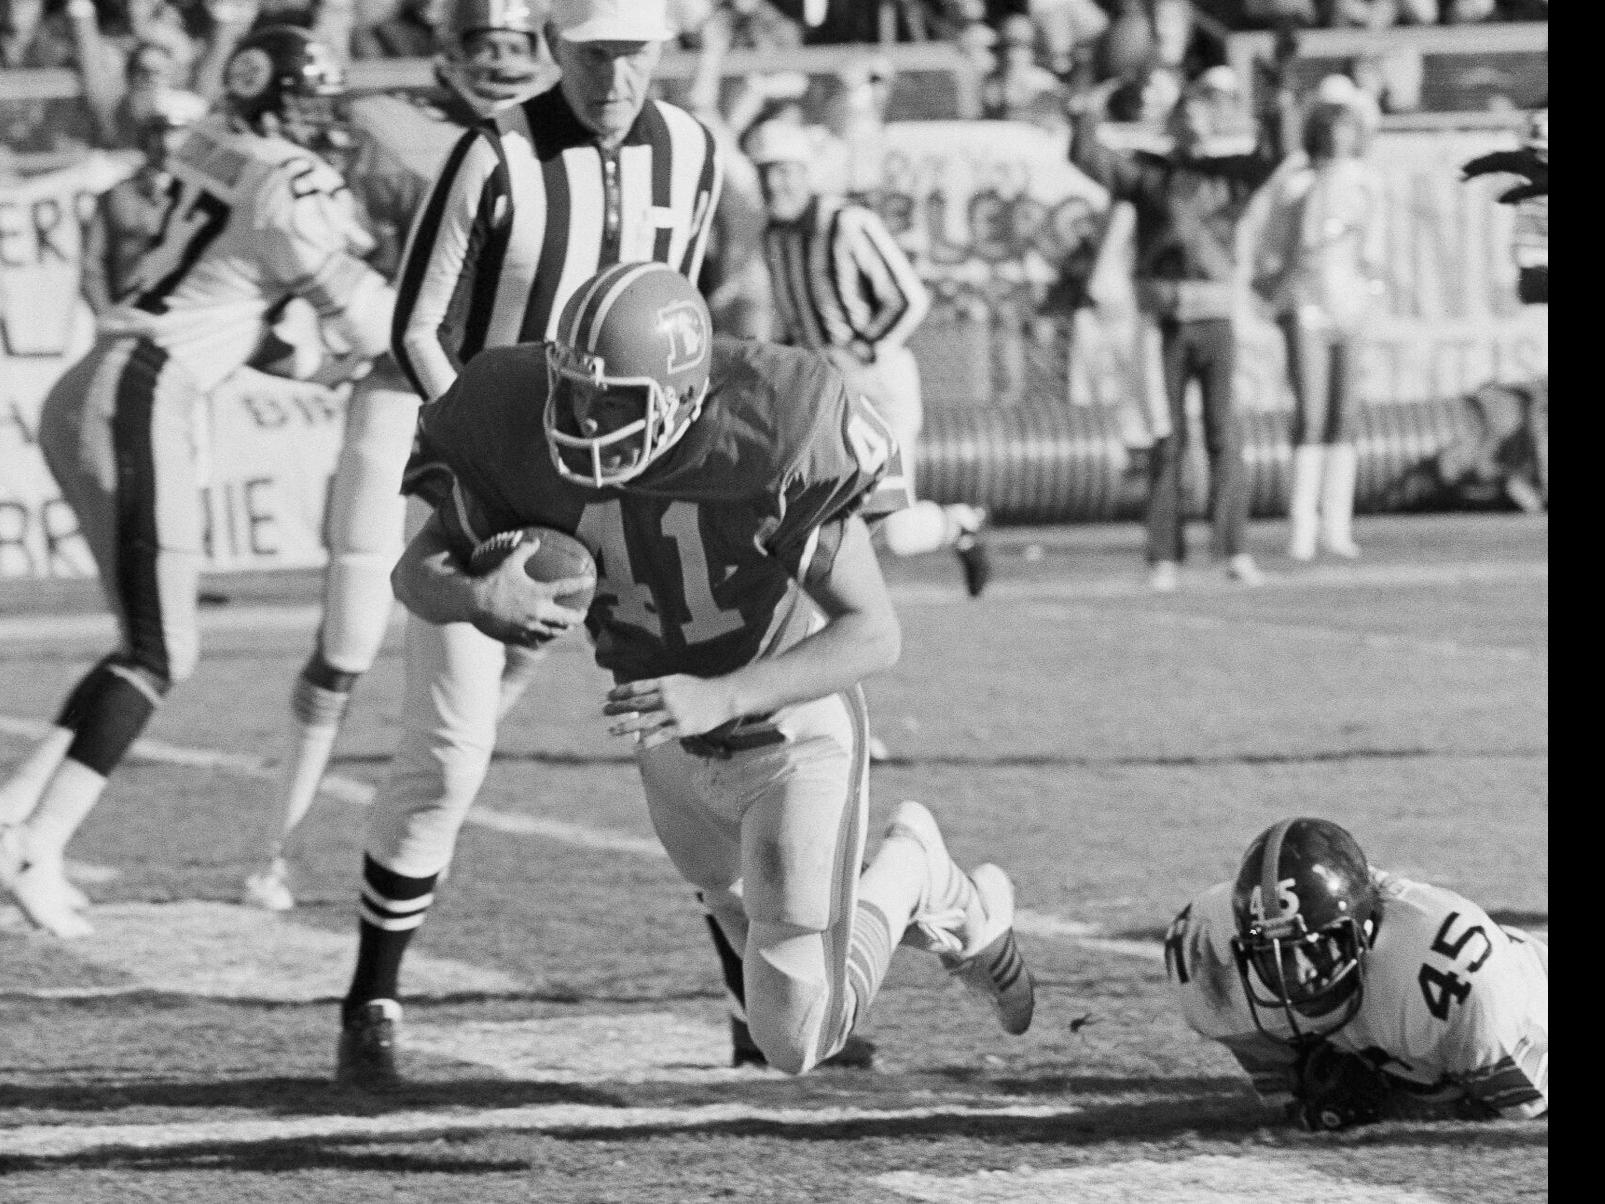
{"x": 1030, "y": 271}
{"x": 272, "y": 444}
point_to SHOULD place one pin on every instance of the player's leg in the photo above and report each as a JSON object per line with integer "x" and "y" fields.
{"x": 1306, "y": 371}
{"x": 892, "y": 385}
{"x": 823, "y": 931}
{"x": 1342, "y": 459}
{"x": 1166, "y": 545}
{"x": 519, "y": 670}
{"x": 123, "y": 452}
{"x": 448, "y": 734}
{"x": 727, "y": 925}
{"x": 366, "y": 515}
{"x": 1223, "y": 444}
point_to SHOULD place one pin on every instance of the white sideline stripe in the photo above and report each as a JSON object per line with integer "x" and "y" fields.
{"x": 229, "y": 951}
{"x": 1205, "y": 1179}
{"x": 351, "y": 791}
{"x": 65, "y": 1141}
{"x": 1077, "y": 932}
{"x": 306, "y": 616}
{"x": 1204, "y": 582}
{"x": 637, "y": 1047}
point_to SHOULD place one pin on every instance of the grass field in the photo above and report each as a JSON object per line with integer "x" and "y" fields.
{"x": 565, "y": 1028}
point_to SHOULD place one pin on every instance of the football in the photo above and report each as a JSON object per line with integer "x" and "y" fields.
{"x": 555, "y": 557}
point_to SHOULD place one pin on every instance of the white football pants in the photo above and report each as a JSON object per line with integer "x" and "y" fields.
{"x": 366, "y": 516}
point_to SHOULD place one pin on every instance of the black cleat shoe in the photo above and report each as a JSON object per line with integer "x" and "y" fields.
{"x": 856, "y": 1054}
{"x": 368, "y": 1040}
{"x": 975, "y": 560}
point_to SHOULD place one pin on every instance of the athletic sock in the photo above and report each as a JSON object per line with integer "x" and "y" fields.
{"x": 318, "y": 706}
{"x": 869, "y": 955}
{"x": 23, "y": 789}
{"x": 71, "y": 796}
{"x": 392, "y": 908}
{"x": 895, "y": 881}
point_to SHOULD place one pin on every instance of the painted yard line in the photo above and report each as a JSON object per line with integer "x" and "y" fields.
{"x": 1205, "y": 1179}
{"x": 66, "y": 1141}
{"x": 351, "y": 791}
{"x": 230, "y": 951}
{"x": 1060, "y": 612}
{"x": 100, "y": 625}
{"x": 305, "y": 616}
{"x": 1205, "y": 583}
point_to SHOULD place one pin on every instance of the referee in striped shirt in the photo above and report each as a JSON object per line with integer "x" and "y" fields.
{"x": 528, "y": 206}
{"x": 844, "y": 287}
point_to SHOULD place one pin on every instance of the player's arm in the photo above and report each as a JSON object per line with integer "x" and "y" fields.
{"x": 861, "y": 636}
{"x": 898, "y": 299}
{"x": 505, "y": 603}
{"x": 710, "y": 187}
{"x": 309, "y": 239}
{"x": 437, "y": 272}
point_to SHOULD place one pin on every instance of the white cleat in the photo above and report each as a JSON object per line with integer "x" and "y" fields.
{"x": 1164, "y": 577}
{"x": 41, "y": 890}
{"x": 269, "y": 887}
{"x": 992, "y": 965}
{"x": 967, "y": 920}
{"x": 1242, "y": 569}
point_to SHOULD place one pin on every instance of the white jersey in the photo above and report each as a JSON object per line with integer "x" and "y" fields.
{"x": 250, "y": 222}
{"x": 1453, "y": 1005}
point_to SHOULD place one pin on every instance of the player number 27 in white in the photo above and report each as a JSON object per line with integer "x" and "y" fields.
{"x": 602, "y": 526}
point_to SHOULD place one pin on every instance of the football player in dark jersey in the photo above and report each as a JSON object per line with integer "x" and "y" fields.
{"x": 722, "y": 488}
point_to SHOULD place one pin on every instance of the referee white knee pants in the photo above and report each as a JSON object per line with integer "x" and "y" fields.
{"x": 448, "y": 732}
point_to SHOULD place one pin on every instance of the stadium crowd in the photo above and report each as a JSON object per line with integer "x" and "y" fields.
{"x": 124, "y": 51}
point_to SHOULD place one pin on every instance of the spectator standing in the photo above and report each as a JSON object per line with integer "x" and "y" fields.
{"x": 1188, "y": 203}
{"x": 1011, "y": 90}
{"x": 1319, "y": 265}
{"x": 844, "y": 287}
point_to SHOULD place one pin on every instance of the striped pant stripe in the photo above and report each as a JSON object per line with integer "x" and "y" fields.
{"x": 845, "y": 1001}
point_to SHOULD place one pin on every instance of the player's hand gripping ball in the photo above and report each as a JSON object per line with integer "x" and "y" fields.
{"x": 556, "y": 557}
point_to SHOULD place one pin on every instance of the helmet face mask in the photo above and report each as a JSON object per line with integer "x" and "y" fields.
{"x": 281, "y": 81}
{"x": 487, "y": 52}
{"x": 607, "y": 430}
{"x": 1307, "y": 913}
{"x": 627, "y": 373}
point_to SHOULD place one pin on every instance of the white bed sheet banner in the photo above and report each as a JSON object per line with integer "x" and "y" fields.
{"x": 270, "y": 460}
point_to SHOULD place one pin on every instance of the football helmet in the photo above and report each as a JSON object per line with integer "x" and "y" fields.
{"x": 627, "y": 372}
{"x": 283, "y": 72}
{"x": 1307, "y": 911}
{"x": 493, "y": 79}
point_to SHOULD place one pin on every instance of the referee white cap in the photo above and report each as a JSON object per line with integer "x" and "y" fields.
{"x": 780, "y": 142}
{"x": 612, "y": 20}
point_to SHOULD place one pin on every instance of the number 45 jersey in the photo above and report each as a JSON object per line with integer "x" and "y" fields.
{"x": 1454, "y": 1004}
{"x": 699, "y": 559}
{"x": 249, "y": 222}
